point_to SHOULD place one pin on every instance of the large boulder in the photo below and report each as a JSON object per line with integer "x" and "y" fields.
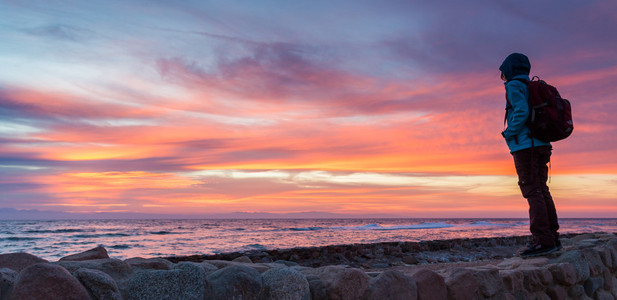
{"x": 208, "y": 267}
{"x": 557, "y": 292}
{"x": 185, "y": 281}
{"x": 95, "y": 253}
{"x": 7, "y": 281}
{"x": 536, "y": 278}
{"x": 563, "y": 274}
{"x": 234, "y": 282}
{"x": 513, "y": 280}
{"x": 606, "y": 256}
{"x": 431, "y": 286}
{"x": 339, "y": 282}
{"x": 285, "y": 284}
{"x": 462, "y": 284}
{"x": 593, "y": 258}
{"x": 490, "y": 283}
{"x": 149, "y": 263}
{"x": 392, "y": 285}
{"x": 99, "y": 284}
{"x": 46, "y": 281}
{"x": 115, "y": 268}
{"x": 578, "y": 261}
{"x": 221, "y": 264}
{"x": 19, "y": 261}
{"x": 592, "y": 284}
{"x": 317, "y": 286}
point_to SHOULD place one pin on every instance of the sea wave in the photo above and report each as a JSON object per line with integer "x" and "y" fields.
{"x": 303, "y": 229}
{"x": 19, "y": 238}
{"x": 377, "y": 226}
{"x": 67, "y": 230}
{"x": 89, "y": 236}
{"x": 488, "y": 223}
{"x": 162, "y": 232}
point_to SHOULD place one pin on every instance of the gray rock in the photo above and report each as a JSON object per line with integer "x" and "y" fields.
{"x": 563, "y": 273}
{"x": 243, "y": 259}
{"x": 115, "y": 268}
{"x": 513, "y": 280}
{"x": 220, "y": 264}
{"x": 234, "y": 282}
{"x": 596, "y": 267}
{"x": 382, "y": 265}
{"x": 611, "y": 247}
{"x": 536, "y": 278}
{"x": 339, "y": 282}
{"x": 577, "y": 292}
{"x": 592, "y": 284}
{"x": 7, "y": 281}
{"x": 431, "y": 286}
{"x": 274, "y": 265}
{"x": 604, "y": 295}
{"x": 577, "y": 260}
{"x": 612, "y": 244}
{"x": 47, "y": 281}
{"x": 606, "y": 256}
{"x": 185, "y": 281}
{"x": 461, "y": 284}
{"x": 541, "y": 295}
{"x": 95, "y": 253}
{"x": 410, "y": 259}
{"x": 287, "y": 263}
{"x": 557, "y": 292}
{"x": 582, "y": 237}
{"x": 100, "y": 285}
{"x": 149, "y": 263}
{"x": 392, "y": 285}
{"x": 285, "y": 284}
{"x": 490, "y": 283}
{"x": 317, "y": 287}
{"x": 208, "y": 267}
{"x": 608, "y": 280}
{"x": 18, "y": 261}
{"x": 520, "y": 294}
{"x": 515, "y": 262}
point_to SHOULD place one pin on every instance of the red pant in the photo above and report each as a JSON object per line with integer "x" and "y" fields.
{"x": 531, "y": 167}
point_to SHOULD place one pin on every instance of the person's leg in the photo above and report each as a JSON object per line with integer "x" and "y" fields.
{"x": 544, "y": 156}
{"x": 528, "y": 182}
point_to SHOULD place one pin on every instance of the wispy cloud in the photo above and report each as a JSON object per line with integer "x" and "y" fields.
{"x": 61, "y": 32}
{"x": 285, "y": 107}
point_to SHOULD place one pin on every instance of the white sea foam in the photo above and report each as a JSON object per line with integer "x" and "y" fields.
{"x": 377, "y": 226}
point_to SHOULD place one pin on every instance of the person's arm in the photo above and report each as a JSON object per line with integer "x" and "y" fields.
{"x": 520, "y": 109}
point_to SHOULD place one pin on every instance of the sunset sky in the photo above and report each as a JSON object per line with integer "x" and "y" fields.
{"x": 353, "y": 107}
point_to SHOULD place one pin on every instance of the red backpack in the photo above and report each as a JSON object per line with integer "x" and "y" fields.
{"x": 550, "y": 116}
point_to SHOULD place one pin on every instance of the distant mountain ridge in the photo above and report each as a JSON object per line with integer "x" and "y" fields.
{"x": 35, "y": 214}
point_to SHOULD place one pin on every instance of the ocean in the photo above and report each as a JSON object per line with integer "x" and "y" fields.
{"x": 124, "y": 239}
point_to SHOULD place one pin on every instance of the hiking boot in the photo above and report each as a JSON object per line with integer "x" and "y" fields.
{"x": 538, "y": 250}
{"x": 558, "y": 245}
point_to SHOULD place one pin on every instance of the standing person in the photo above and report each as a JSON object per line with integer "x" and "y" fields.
{"x": 531, "y": 157}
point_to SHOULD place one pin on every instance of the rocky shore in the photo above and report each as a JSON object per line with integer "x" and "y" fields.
{"x": 586, "y": 268}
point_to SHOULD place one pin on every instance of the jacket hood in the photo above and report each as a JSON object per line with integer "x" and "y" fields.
{"x": 515, "y": 64}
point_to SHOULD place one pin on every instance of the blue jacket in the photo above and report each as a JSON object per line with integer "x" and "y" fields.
{"x": 517, "y": 134}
